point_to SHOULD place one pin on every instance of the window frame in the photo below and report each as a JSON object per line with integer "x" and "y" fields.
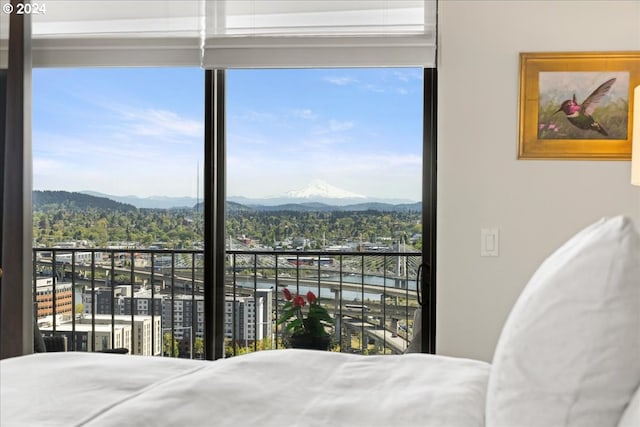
{"x": 215, "y": 198}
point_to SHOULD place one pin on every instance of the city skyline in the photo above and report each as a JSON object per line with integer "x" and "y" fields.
{"x": 140, "y": 131}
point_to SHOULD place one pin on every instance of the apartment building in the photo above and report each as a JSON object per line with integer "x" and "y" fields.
{"x": 85, "y": 338}
{"x": 251, "y": 316}
{"x": 140, "y": 334}
{"x": 48, "y": 290}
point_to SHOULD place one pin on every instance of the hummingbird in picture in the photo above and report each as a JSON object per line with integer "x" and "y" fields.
{"x": 579, "y": 115}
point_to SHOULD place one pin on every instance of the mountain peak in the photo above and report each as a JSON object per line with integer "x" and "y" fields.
{"x": 322, "y": 189}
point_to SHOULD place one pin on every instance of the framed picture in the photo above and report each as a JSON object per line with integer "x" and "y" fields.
{"x": 577, "y": 105}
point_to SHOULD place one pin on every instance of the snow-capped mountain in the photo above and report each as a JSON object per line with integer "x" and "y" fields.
{"x": 316, "y": 192}
{"x": 321, "y": 189}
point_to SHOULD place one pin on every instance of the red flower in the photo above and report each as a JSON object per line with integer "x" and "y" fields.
{"x": 311, "y": 297}
{"x": 298, "y": 301}
{"x": 311, "y": 322}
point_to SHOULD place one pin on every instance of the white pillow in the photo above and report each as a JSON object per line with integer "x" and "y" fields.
{"x": 569, "y": 353}
{"x": 631, "y": 415}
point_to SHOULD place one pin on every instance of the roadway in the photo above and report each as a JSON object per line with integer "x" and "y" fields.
{"x": 396, "y": 343}
{"x": 334, "y": 285}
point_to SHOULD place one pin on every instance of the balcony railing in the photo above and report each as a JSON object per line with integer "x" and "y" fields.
{"x": 152, "y": 301}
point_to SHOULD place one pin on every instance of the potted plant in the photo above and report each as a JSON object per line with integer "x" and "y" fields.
{"x": 306, "y": 332}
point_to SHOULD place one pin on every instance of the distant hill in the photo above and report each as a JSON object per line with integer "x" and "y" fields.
{"x": 333, "y": 202}
{"x": 231, "y": 207}
{"x": 384, "y": 207}
{"x": 322, "y": 207}
{"x": 318, "y": 196}
{"x": 152, "y": 202}
{"x": 235, "y": 207}
{"x": 56, "y": 199}
{"x": 69, "y": 200}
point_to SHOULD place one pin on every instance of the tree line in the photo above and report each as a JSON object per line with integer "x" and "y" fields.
{"x": 65, "y": 220}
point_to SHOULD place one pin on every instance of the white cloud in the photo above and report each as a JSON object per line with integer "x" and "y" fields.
{"x": 47, "y": 166}
{"x": 338, "y": 126}
{"x": 407, "y": 76}
{"x": 236, "y": 139}
{"x": 374, "y": 88}
{"x": 371, "y": 164}
{"x": 334, "y": 126}
{"x": 160, "y": 123}
{"x": 305, "y": 113}
{"x": 256, "y": 116}
{"x": 340, "y": 80}
{"x": 323, "y": 141}
{"x": 110, "y": 161}
{"x": 88, "y": 148}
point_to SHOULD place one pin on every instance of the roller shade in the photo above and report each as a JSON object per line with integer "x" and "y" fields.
{"x": 316, "y": 33}
{"x": 72, "y": 33}
{"x": 235, "y": 33}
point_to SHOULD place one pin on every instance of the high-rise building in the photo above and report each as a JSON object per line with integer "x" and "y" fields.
{"x": 45, "y": 289}
{"x": 247, "y": 318}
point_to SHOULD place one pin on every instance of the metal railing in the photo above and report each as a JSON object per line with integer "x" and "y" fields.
{"x": 151, "y": 301}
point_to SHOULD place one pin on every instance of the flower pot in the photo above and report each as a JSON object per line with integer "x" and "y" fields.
{"x": 310, "y": 342}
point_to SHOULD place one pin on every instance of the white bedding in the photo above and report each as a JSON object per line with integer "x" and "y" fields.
{"x": 279, "y": 388}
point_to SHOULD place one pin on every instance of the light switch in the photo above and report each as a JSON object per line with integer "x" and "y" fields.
{"x": 489, "y": 242}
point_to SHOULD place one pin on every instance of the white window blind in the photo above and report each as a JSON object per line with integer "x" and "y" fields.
{"x": 235, "y": 33}
{"x": 316, "y": 33}
{"x": 117, "y": 33}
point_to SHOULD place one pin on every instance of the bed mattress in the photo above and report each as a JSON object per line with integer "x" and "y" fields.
{"x": 279, "y": 387}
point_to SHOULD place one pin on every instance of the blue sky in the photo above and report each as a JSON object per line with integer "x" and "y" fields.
{"x": 140, "y": 131}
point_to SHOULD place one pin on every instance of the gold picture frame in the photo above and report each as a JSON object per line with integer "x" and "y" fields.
{"x": 577, "y": 105}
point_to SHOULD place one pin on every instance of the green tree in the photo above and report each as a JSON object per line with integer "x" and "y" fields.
{"x": 166, "y": 346}
{"x": 198, "y": 347}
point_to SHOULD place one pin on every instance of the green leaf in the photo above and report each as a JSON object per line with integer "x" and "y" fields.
{"x": 295, "y": 325}
{"x": 320, "y": 313}
{"x": 287, "y": 314}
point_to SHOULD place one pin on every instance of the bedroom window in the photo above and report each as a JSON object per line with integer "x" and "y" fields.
{"x": 117, "y": 182}
{"x": 220, "y": 35}
{"x": 317, "y": 161}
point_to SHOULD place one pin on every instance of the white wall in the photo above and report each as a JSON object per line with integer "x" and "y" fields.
{"x": 536, "y": 204}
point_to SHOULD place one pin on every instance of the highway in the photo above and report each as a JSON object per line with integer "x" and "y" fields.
{"x": 396, "y": 343}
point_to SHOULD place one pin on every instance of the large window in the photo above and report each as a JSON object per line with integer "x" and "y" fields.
{"x": 117, "y": 161}
{"x": 214, "y": 35}
{"x": 323, "y": 172}
{"x": 323, "y": 189}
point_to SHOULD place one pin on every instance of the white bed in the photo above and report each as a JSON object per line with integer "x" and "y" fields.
{"x": 284, "y": 387}
{"x": 569, "y": 355}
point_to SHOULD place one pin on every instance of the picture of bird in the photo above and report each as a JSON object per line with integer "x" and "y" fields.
{"x": 580, "y": 115}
